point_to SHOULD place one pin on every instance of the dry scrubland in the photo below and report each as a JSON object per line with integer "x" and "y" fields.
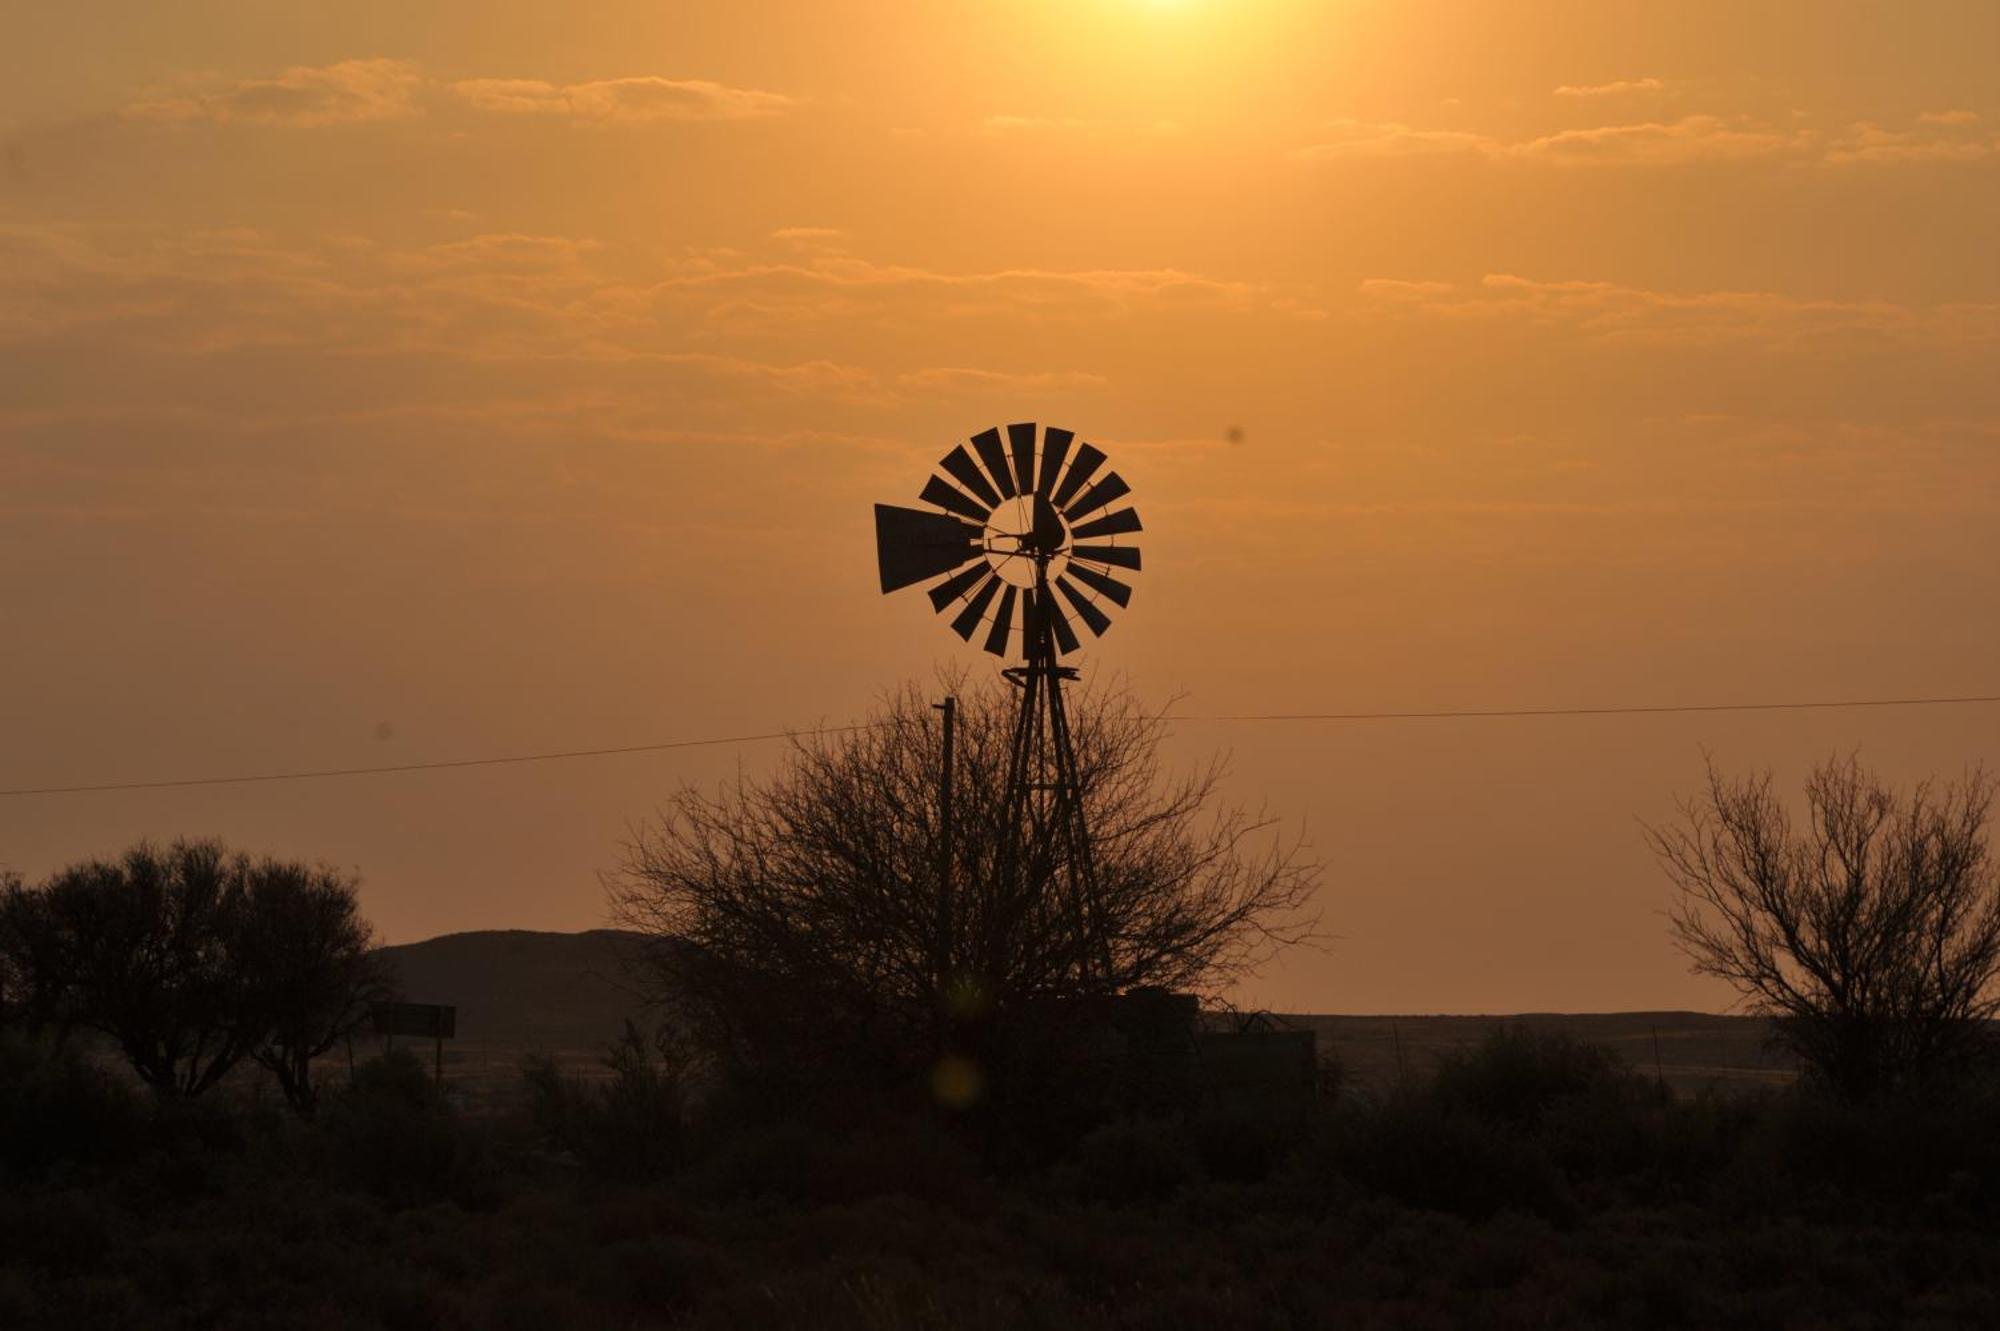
{"x": 1537, "y": 1175}
{"x": 1530, "y": 1180}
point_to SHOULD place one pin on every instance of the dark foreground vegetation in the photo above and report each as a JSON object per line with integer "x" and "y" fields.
{"x": 1532, "y": 1181}
{"x": 911, "y": 1079}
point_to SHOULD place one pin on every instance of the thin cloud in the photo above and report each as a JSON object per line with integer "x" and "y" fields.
{"x": 1358, "y": 139}
{"x": 1937, "y": 136}
{"x": 627, "y": 101}
{"x": 552, "y": 302}
{"x": 1019, "y": 125}
{"x": 1004, "y": 124}
{"x": 1690, "y": 139}
{"x": 351, "y": 92}
{"x": 1609, "y": 311}
{"x": 810, "y": 239}
{"x": 306, "y": 96}
{"x": 507, "y": 252}
{"x": 1687, "y": 140}
{"x": 833, "y": 288}
{"x": 961, "y": 379}
{"x": 1617, "y": 88}
{"x": 1397, "y": 289}
{"x": 1949, "y": 136}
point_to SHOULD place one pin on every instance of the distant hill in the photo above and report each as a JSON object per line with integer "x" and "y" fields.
{"x": 525, "y": 989}
{"x": 518, "y": 990}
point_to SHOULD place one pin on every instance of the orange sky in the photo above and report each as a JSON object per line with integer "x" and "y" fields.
{"x": 385, "y": 383}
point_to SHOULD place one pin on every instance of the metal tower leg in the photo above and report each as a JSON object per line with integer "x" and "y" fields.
{"x": 1051, "y": 870}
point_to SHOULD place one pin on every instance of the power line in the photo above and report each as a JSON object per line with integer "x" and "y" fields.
{"x": 423, "y": 767}
{"x": 1278, "y": 717}
{"x": 1668, "y": 710}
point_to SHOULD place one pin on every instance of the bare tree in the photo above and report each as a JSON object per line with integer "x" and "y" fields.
{"x": 311, "y": 968}
{"x": 1871, "y": 934}
{"x": 803, "y": 912}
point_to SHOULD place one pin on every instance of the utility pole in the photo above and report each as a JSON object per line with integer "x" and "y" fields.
{"x": 945, "y": 921}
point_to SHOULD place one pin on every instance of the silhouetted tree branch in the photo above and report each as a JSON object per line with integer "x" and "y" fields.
{"x": 1872, "y": 934}
{"x": 14, "y": 981}
{"x": 800, "y": 913}
{"x": 311, "y": 967}
{"x": 36, "y": 964}
{"x": 150, "y": 945}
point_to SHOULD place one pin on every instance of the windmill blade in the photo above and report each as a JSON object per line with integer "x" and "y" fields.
{"x": 1088, "y": 459}
{"x": 957, "y": 585}
{"x": 1097, "y": 496}
{"x": 968, "y": 618}
{"x": 1102, "y": 583}
{"x": 1111, "y": 524}
{"x": 912, "y": 545}
{"x": 1075, "y": 514}
{"x": 1021, "y": 438}
{"x": 996, "y": 637}
{"x": 1055, "y": 451}
{"x": 1087, "y": 612}
{"x": 967, "y": 473}
{"x": 947, "y": 496}
{"x": 1059, "y": 624}
{"x": 995, "y": 458}
{"x": 1124, "y": 556}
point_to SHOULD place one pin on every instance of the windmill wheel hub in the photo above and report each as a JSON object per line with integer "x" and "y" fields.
{"x": 1023, "y": 532}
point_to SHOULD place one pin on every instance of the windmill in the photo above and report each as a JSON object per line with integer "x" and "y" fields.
{"x": 1023, "y": 534}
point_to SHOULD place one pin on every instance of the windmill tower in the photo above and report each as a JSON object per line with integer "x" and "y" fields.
{"x": 1023, "y": 534}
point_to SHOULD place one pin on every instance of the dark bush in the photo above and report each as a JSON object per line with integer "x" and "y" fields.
{"x": 57, "y": 1110}
{"x": 1243, "y": 1143}
{"x": 1131, "y": 1162}
{"x": 632, "y": 1125}
{"x": 392, "y": 1133}
{"x": 871, "y": 1150}
{"x": 659, "y": 1272}
{"x": 1811, "y": 1152}
{"x": 1430, "y": 1154}
{"x": 1516, "y": 1074}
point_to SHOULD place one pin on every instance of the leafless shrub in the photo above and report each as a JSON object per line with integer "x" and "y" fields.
{"x": 1872, "y": 934}
{"x": 803, "y": 911}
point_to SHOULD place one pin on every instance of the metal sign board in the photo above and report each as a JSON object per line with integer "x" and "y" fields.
{"x": 436, "y": 1021}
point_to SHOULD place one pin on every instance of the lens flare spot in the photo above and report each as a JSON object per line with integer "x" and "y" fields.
{"x": 957, "y": 1082}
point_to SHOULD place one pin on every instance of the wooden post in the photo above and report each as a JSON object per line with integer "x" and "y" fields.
{"x": 942, "y": 943}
